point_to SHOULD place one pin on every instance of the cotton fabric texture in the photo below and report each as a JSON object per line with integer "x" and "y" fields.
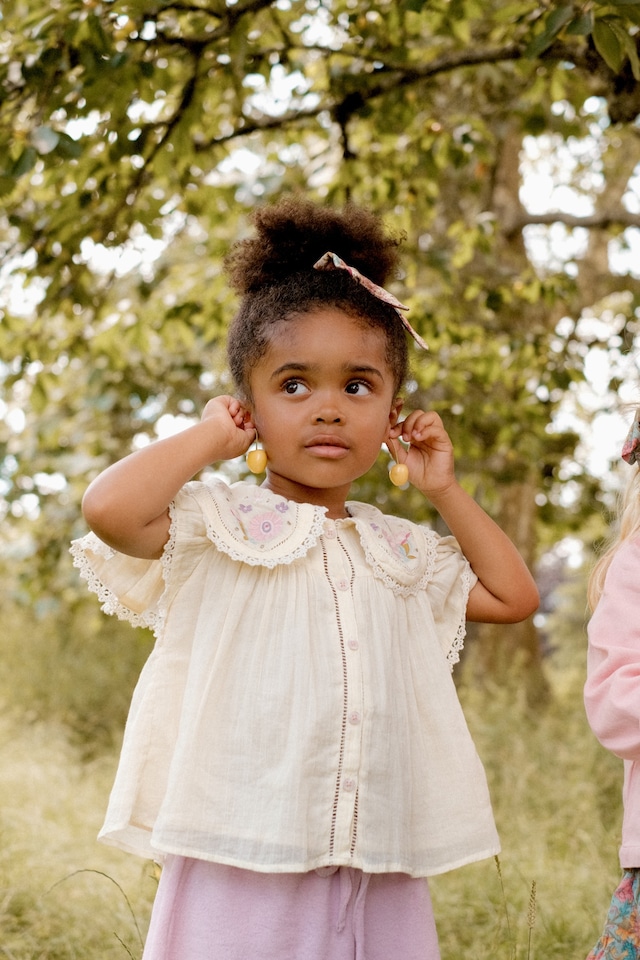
{"x": 298, "y": 709}
{"x": 208, "y": 911}
{"x": 612, "y": 688}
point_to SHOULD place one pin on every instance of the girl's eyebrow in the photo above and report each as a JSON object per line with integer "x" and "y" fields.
{"x": 351, "y": 369}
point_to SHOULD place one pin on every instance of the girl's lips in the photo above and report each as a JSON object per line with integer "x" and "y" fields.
{"x": 332, "y": 447}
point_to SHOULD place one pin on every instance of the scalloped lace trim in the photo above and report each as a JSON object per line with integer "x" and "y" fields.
{"x": 453, "y": 656}
{"x": 243, "y": 555}
{"x": 167, "y": 554}
{"x": 108, "y": 600}
{"x": 265, "y": 561}
{"x": 383, "y": 574}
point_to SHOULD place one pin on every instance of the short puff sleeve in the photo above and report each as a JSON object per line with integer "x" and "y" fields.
{"x": 139, "y": 590}
{"x": 449, "y": 589}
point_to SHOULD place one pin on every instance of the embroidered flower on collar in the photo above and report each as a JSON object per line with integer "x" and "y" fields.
{"x": 401, "y": 544}
{"x": 265, "y": 526}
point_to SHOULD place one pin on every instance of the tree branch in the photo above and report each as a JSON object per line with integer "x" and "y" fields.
{"x": 600, "y": 221}
{"x": 228, "y": 19}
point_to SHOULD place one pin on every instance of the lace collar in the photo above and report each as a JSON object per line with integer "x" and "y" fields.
{"x": 255, "y": 526}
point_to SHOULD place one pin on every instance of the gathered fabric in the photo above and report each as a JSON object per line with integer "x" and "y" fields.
{"x": 206, "y": 911}
{"x": 298, "y": 709}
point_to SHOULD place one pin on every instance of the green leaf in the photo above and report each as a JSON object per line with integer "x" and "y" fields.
{"x": 558, "y": 17}
{"x": 553, "y": 25}
{"x": 608, "y": 44}
{"x": 68, "y": 147}
{"x": 25, "y": 162}
{"x": 628, "y": 44}
{"x": 581, "y": 26}
{"x": 632, "y": 52}
{"x": 7, "y": 185}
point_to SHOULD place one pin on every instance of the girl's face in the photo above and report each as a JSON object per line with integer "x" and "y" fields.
{"x": 323, "y": 404}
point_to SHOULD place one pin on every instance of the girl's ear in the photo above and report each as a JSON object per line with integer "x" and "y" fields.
{"x": 248, "y": 418}
{"x": 394, "y": 413}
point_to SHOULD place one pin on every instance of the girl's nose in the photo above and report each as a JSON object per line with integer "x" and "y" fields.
{"x": 328, "y": 407}
{"x": 328, "y": 411}
{"x": 329, "y": 418}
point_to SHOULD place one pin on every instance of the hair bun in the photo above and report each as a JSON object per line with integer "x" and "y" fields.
{"x": 291, "y": 235}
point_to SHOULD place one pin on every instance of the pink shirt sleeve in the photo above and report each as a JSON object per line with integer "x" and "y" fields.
{"x": 612, "y": 689}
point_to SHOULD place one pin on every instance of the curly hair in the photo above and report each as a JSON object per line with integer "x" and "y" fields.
{"x": 273, "y": 272}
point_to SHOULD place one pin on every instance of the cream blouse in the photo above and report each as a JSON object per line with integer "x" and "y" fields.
{"x": 298, "y": 709}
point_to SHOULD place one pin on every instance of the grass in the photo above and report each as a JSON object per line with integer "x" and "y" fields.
{"x": 557, "y": 798}
{"x": 62, "y": 895}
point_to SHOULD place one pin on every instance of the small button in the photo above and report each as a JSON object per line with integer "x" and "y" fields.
{"x": 342, "y": 584}
{"x": 353, "y": 645}
{"x": 330, "y": 529}
{"x": 354, "y": 717}
{"x": 349, "y": 784}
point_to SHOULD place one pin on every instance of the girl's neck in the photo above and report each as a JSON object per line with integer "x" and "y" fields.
{"x": 333, "y": 499}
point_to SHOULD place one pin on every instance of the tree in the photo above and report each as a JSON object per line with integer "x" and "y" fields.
{"x": 134, "y": 122}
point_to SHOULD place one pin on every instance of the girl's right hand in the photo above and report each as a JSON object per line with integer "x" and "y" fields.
{"x": 127, "y": 504}
{"x": 234, "y": 428}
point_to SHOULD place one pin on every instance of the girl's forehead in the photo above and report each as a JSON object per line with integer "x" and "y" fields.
{"x": 328, "y": 344}
{"x": 327, "y": 329}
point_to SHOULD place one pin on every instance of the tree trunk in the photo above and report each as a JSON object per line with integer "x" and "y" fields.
{"x": 511, "y": 655}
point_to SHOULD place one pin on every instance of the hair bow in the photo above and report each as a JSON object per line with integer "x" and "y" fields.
{"x": 331, "y": 261}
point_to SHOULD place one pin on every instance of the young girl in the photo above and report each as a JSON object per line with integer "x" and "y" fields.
{"x": 295, "y": 753}
{"x": 612, "y": 698}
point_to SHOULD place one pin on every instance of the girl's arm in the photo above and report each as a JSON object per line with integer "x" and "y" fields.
{"x": 127, "y": 505}
{"x": 505, "y": 591}
{"x": 613, "y": 661}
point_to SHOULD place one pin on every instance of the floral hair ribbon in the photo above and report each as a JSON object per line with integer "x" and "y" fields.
{"x": 631, "y": 446}
{"x": 331, "y": 261}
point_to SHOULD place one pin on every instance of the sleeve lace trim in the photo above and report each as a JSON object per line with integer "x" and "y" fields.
{"x": 91, "y": 557}
{"x": 468, "y": 581}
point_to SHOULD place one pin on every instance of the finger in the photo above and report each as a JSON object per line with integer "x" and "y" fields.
{"x": 409, "y": 425}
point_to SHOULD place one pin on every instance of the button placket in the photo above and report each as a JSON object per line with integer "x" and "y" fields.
{"x": 340, "y": 573}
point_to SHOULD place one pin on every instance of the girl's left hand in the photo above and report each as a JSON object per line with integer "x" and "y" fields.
{"x": 430, "y": 455}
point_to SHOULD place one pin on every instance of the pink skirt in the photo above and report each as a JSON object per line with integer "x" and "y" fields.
{"x": 209, "y": 911}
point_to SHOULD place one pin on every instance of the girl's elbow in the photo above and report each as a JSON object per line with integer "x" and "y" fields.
{"x": 485, "y": 607}
{"x": 97, "y": 512}
{"x": 90, "y": 507}
{"x": 530, "y": 602}
{"x": 522, "y": 606}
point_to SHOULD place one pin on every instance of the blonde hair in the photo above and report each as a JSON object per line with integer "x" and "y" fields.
{"x": 628, "y": 526}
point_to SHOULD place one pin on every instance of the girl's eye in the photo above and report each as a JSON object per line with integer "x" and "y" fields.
{"x": 357, "y": 387}
{"x": 294, "y": 388}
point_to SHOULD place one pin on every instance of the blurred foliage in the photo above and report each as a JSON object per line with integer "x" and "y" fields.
{"x": 136, "y": 137}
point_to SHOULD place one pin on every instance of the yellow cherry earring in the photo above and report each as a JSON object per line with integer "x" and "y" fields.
{"x": 399, "y": 474}
{"x": 257, "y": 458}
